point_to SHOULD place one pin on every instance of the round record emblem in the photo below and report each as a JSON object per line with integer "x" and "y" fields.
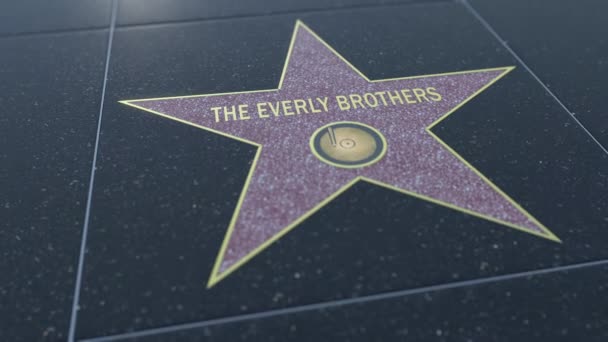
{"x": 348, "y": 144}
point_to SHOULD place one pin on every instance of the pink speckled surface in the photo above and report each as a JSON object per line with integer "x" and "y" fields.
{"x": 289, "y": 180}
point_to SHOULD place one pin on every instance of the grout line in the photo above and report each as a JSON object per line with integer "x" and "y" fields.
{"x": 52, "y": 32}
{"x": 395, "y": 3}
{"x": 342, "y": 302}
{"x": 85, "y": 229}
{"x": 304, "y": 11}
{"x": 504, "y": 43}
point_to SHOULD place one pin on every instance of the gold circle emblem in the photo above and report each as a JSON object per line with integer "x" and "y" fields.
{"x": 348, "y": 144}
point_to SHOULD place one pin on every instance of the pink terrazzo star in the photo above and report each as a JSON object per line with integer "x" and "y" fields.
{"x": 287, "y": 182}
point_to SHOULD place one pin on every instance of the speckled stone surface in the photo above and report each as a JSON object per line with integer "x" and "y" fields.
{"x": 159, "y": 11}
{"x": 573, "y": 63}
{"x": 34, "y": 17}
{"x": 164, "y": 192}
{"x": 50, "y": 92}
{"x": 562, "y": 306}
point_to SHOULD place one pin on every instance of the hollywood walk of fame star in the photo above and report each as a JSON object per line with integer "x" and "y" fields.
{"x": 321, "y": 101}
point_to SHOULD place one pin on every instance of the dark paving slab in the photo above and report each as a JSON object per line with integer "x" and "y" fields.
{"x": 38, "y": 16}
{"x": 564, "y": 43}
{"x": 165, "y": 191}
{"x": 562, "y": 306}
{"x": 154, "y": 11}
{"x": 50, "y": 91}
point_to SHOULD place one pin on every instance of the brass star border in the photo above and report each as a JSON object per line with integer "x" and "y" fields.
{"x": 216, "y": 276}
